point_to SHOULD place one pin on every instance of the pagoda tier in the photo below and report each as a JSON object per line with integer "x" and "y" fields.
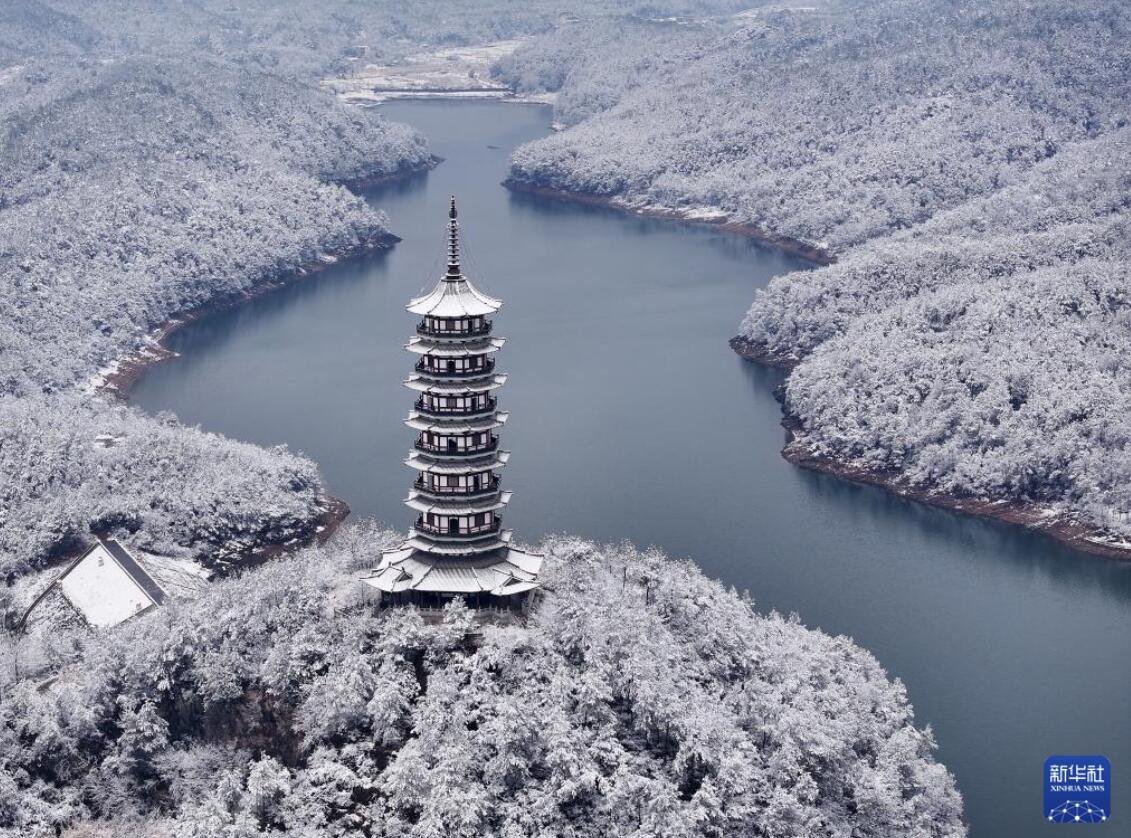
{"x": 457, "y": 545}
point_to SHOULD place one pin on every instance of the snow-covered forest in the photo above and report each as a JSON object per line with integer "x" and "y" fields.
{"x": 160, "y": 158}
{"x": 640, "y": 700}
{"x": 134, "y": 189}
{"x": 966, "y": 163}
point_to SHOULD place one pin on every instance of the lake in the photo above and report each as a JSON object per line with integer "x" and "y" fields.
{"x": 631, "y": 418}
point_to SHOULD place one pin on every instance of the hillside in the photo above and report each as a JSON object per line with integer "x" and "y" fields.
{"x": 134, "y": 192}
{"x": 640, "y": 699}
{"x": 966, "y": 166}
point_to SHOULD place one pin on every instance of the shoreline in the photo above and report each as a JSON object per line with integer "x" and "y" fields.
{"x": 117, "y": 381}
{"x": 1034, "y": 519}
{"x": 118, "y": 378}
{"x": 404, "y": 173}
{"x": 1031, "y": 517}
{"x": 316, "y": 532}
{"x": 796, "y": 248}
{"x": 746, "y": 350}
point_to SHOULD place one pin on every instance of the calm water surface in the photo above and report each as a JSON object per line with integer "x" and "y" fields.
{"x": 632, "y": 419}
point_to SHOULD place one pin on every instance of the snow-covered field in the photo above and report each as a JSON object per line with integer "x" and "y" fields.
{"x": 452, "y": 72}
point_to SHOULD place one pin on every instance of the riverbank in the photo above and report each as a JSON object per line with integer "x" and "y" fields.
{"x": 1041, "y": 519}
{"x": 1038, "y": 518}
{"x": 402, "y": 174}
{"x": 750, "y": 352}
{"x": 117, "y": 378}
{"x": 116, "y": 381}
{"x": 687, "y": 216}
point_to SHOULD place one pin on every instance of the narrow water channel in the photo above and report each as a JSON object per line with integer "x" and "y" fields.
{"x": 632, "y": 419}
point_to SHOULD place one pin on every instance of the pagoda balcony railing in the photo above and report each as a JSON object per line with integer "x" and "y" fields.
{"x": 457, "y": 491}
{"x": 444, "y": 530}
{"x": 438, "y": 410}
{"x": 474, "y": 372}
{"x": 447, "y": 451}
{"x": 472, "y": 331}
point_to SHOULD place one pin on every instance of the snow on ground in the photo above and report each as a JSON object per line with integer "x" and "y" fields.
{"x": 463, "y": 72}
{"x": 9, "y": 73}
{"x": 176, "y": 577}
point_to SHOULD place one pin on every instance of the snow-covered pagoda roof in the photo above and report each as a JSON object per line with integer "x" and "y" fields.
{"x": 489, "y": 381}
{"x": 418, "y": 421}
{"x": 422, "y": 462}
{"x": 502, "y": 573}
{"x": 454, "y": 295}
{"x": 420, "y": 346}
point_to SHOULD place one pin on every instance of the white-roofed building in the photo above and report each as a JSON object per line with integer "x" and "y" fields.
{"x": 457, "y": 547}
{"x": 107, "y": 585}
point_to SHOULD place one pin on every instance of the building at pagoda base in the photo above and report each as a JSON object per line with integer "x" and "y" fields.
{"x": 457, "y": 546}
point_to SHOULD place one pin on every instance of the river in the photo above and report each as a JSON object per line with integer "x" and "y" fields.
{"x": 631, "y": 418}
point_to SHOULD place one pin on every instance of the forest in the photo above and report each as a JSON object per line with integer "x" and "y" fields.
{"x": 640, "y": 699}
{"x": 964, "y": 163}
{"x": 965, "y": 166}
{"x": 132, "y": 192}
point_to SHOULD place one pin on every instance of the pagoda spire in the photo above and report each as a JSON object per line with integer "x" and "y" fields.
{"x": 454, "y": 272}
{"x": 458, "y": 545}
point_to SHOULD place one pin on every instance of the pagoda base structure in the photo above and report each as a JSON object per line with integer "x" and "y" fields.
{"x": 503, "y": 578}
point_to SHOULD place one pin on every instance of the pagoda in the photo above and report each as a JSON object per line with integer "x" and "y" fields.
{"x": 457, "y": 546}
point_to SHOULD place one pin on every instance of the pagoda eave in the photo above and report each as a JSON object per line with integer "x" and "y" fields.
{"x": 416, "y": 500}
{"x": 454, "y": 297}
{"x": 422, "y": 462}
{"x": 420, "y": 422}
{"x": 506, "y": 572}
{"x": 428, "y": 543}
{"x": 427, "y": 346}
{"x": 440, "y": 387}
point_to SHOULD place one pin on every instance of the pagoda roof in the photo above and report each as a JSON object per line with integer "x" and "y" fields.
{"x": 454, "y": 297}
{"x": 503, "y": 572}
{"x": 457, "y": 506}
{"x": 457, "y": 548}
{"x": 468, "y": 465}
{"x": 423, "y": 384}
{"x": 457, "y": 424}
{"x": 424, "y": 346}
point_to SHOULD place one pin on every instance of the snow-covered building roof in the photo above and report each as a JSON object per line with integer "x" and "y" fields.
{"x": 454, "y": 295}
{"x": 483, "y": 384}
{"x": 107, "y": 585}
{"x": 423, "y": 346}
{"x": 505, "y": 572}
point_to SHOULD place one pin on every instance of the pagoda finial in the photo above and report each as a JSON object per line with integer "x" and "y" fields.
{"x": 453, "y": 242}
